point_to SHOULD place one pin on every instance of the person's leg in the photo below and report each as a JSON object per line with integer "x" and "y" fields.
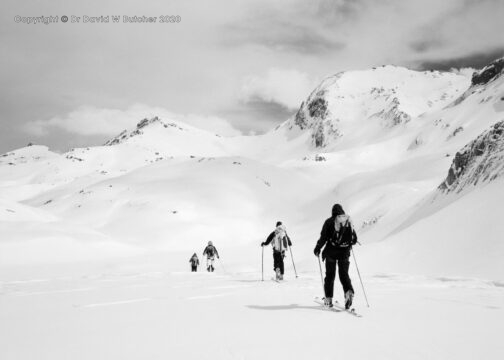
{"x": 343, "y": 266}
{"x": 282, "y": 255}
{"x": 277, "y": 258}
{"x": 330, "y": 265}
{"x": 276, "y": 264}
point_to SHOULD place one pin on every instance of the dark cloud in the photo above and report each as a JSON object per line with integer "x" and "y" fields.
{"x": 257, "y": 115}
{"x": 475, "y": 60}
{"x": 283, "y": 37}
{"x": 343, "y": 9}
{"x": 424, "y": 45}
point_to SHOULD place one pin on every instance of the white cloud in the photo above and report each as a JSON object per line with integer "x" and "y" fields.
{"x": 286, "y": 87}
{"x": 92, "y": 121}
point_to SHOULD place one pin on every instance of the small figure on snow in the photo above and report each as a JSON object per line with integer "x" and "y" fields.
{"x": 211, "y": 252}
{"x": 280, "y": 241}
{"x": 194, "y": 262}
{"x": 338, "y": 236}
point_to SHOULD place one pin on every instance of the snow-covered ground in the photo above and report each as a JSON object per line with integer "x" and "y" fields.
{"x": 154, "y": 308}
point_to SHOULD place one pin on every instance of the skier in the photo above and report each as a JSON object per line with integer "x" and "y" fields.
{"x": 338, "y": 236}
{"x": 194, "y": 262}
{"x": 210, "y": 251}
{"x": 280, "y": 240}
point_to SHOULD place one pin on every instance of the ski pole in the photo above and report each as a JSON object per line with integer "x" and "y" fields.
{"x": 262, "y": 264}
{"x": 362, "y": 284}
{"x": 321, "y": 278}
{"x": 294, "y": 265}
{"x": 222, "y": 265}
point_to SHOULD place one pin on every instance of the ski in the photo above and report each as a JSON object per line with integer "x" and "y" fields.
{"x": 337, "y": 306}
{"x": 321, "y": 302}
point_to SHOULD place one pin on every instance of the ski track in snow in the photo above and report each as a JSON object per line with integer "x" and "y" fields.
{"x": 200, "y": 297}
{"x": 112, "y": 303}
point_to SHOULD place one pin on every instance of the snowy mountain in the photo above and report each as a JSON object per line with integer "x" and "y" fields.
{"x": 378, "y": 141}
{"x": 358, "y": 106}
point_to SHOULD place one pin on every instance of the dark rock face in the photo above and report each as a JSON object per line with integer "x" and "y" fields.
{"x": 480, "y": 161}
{"x": 488, "y": 73}
{"x": 314, "y": 114}
{"x": 300, "y": 119}
{"x": 318, "y": 108}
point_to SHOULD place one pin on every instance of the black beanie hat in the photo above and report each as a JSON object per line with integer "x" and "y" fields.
{"x": 279, "y": 223}
{"x": 337, "y": 209}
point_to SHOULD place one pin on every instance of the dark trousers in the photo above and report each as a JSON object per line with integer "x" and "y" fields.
{"x": 278, "y": 261}
{"x": 194, "y": 268}
{"x": 343, "y": 262}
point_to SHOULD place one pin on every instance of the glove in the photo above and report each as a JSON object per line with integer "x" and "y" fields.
{"x": 316, "y": 251}
{"x": 262, "y": 244}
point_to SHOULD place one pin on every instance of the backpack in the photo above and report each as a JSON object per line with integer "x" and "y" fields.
{"x": 210, "y": 251}
{"x": 279, "y": 242}
{"x": 344, "y": 236}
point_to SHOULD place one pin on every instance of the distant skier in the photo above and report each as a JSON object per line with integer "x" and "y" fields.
{"x": 210, "y": 252}
{"x": 338, "y": 236}
{"x": 194, "y": 262}
{"x": 280, "y": 241}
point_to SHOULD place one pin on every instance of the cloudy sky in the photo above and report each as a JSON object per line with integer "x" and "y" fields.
{"x": 232, "y": 66}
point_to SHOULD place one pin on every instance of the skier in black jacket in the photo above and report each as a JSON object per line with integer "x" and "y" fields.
{"x": 210, "y": 251}
{"x": 194, "y": 262}
{"x": 338, "y": 236}
{"x": 280, "y": 241}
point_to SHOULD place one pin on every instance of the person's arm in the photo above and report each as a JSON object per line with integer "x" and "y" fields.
{"x": 268, "y": 240}
{"x": 354, "y": 237}
{"x": 216, "y": 253}
{"x": 323, "y": 239}
{"x": 288, "y": 240}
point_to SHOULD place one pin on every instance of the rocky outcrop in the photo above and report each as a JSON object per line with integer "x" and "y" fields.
{"x": 480, "y": 161}
{"x": 488, "y": 73}
{"x": 392, "y": 116}
{"x": 314, "y": 114}
{"x": 140, "y": 127}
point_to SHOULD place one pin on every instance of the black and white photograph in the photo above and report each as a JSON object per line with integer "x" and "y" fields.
{"x": 251, "y": 179}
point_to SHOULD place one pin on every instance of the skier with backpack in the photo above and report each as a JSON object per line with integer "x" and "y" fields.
{"x": 337, "y": 237}
{"x": 194, "y": 262}
{"x": 280, "y": 241}
{"x": 211, "y": 252}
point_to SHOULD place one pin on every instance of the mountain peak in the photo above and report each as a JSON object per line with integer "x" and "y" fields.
{"x": 370, "y": 101}
{"x": 141, "y": 126}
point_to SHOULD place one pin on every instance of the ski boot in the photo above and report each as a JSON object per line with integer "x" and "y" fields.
{"x": 328, "y": 302}
{"x": 348, "y": 299}
{"x": 277, "y": 274}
